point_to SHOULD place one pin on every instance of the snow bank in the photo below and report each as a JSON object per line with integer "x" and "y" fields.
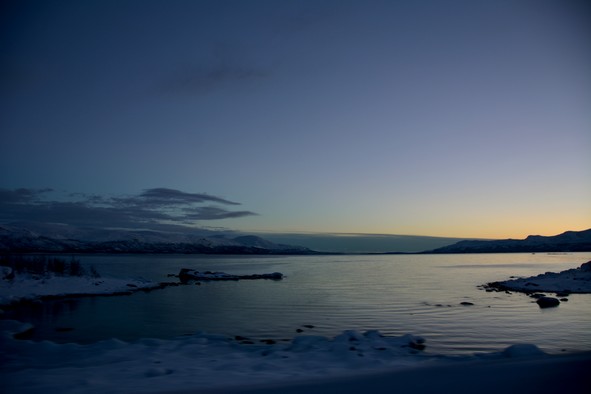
{"x": 30, "y": 287}
{"x": 539, "y": 375}
{"x": 575, "y": 280}
{"x": 201, "y": 361}
{"x": 206, "y": 362}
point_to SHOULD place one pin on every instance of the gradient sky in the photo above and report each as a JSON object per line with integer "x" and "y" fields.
{"x": 444, "y": 118}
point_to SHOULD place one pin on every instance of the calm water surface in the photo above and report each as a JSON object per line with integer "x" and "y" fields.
{"x": 396, "y": 294}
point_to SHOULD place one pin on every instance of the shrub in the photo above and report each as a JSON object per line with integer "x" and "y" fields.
{"x": 76, "y": 268}
{"x": 43, "y": 265}
{"x": 94, "y": 273}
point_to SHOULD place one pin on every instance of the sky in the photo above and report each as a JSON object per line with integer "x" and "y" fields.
{"x": 459, "y": 118}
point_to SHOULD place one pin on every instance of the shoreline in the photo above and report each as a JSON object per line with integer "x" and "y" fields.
{"x": 571, "y": 281}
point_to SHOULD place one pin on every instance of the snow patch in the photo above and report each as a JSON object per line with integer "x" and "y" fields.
{"x": 31, "y": 287}
{"x": 575, "y": 280}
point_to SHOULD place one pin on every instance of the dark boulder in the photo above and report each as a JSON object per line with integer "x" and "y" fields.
{"x": 547, "y": 302}
{"x": 25, "y": 334}
{"x": 417, "y": 345}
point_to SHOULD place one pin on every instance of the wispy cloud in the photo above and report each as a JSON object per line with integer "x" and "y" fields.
{"x": 200, "y": 80}
{"x": 21, "y": 195}
{"x": 162, "y": 196}
{"x": 152, "y": 208}
{"x": 225, "y": 65}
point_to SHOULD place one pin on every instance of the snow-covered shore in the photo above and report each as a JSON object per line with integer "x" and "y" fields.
{"x": 575, "y": 280}
{"x": 31, "y": 287}
{"x": 200, "y": 363}
{"x": 524, "y": 375}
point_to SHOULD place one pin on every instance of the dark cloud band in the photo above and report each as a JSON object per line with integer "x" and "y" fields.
{"x": 149, "y": 209}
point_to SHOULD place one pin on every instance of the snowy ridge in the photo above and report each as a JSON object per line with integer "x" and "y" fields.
{"x": 55, "y": 238}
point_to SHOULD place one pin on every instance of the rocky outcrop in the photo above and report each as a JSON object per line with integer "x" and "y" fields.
{"x": 186, "y": 275}
{"x": 575, "y": 280}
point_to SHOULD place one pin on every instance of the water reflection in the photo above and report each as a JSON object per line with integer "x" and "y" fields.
{"x": 48, "y": 317}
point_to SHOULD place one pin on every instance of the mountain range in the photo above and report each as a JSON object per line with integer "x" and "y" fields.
{"x": 59, "y": 238}
{"x": 56, "y": 238}
{"x": 569, "y": 241}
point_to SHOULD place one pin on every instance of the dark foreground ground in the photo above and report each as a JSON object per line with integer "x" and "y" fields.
{"x": 550, "y": 374}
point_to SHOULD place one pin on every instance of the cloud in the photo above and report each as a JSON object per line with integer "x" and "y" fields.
{"x": 21, "y": 195}
{"x": 304, "y": 19}
{"x": 164, "y": 196}
{"x": 212, "y": 213}
{"x": 225, "y": 64}
{"x": 153, "y": 208}
{"x": 204, "y": 79}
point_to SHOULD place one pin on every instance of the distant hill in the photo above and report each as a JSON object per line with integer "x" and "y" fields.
{"x": 68, "y": 239}
{"x": 361, "y": 243}
{"x": 570, "y": 241}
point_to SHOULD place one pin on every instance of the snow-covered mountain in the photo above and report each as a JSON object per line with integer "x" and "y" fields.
{"x": 57, "y": 238}
{"x": 570, "y": 241}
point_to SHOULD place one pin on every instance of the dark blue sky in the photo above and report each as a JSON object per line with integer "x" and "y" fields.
{"x": 450, "y": 118}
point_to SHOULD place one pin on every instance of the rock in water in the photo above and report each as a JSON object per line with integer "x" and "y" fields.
{"x": 547, "y": 302}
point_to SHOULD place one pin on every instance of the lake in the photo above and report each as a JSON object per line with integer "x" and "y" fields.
{"x": 396, "y": 294}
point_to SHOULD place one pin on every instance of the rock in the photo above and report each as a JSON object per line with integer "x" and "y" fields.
{"x": 25, "y": 334}
{"x": 537, "y": 295}
{"x": 564, "y": 293}
{"x": 522, "y": 350}
{"x": 466, "y": 303}
{"x": 8, "y": 273}
{"x": 547, "y": 302}
{"x": 155, "y": 372}
{"x": 417, "y": 345}
{"x": 586, "y": 267}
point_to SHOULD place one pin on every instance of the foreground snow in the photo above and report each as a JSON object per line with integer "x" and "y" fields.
{"x": 575, "y": 280}
{"x": 523, "y": 375}
{"x": 213, "y": 362}
{"x": 30, "y": 287}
